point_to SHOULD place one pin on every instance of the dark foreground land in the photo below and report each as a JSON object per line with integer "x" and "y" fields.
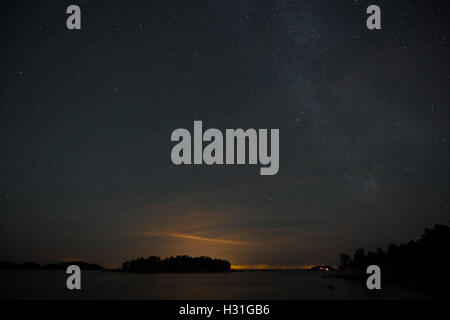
{"x": 420, "y": 265}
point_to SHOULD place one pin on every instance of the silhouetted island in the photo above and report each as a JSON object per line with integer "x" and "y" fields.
{"x": 51, "y": 266}
{"x": 419, "y": 265}
{"x": 176, "y": 264}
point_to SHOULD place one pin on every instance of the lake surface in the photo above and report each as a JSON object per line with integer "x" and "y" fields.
{"x": 234, "y": 285}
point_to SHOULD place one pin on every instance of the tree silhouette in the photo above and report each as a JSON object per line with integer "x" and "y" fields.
{"x": 420, "y": 264}
{"x": 176, "y": 264}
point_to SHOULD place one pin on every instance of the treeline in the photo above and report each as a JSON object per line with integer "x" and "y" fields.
{"x": 51, "y": 266}
{"x": 422, "y": 264}
{"x": 176, "y": 264}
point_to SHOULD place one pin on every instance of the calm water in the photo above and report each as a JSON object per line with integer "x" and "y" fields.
{"x": 235, "y": 285}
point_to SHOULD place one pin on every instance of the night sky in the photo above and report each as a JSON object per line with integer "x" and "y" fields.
{"x": 86, "y": 118}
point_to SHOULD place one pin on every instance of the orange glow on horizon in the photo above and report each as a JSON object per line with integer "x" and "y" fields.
{"x": 270, "y": 267}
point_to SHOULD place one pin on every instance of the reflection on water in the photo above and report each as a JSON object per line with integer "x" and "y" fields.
{"x": 234, "y": 285}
